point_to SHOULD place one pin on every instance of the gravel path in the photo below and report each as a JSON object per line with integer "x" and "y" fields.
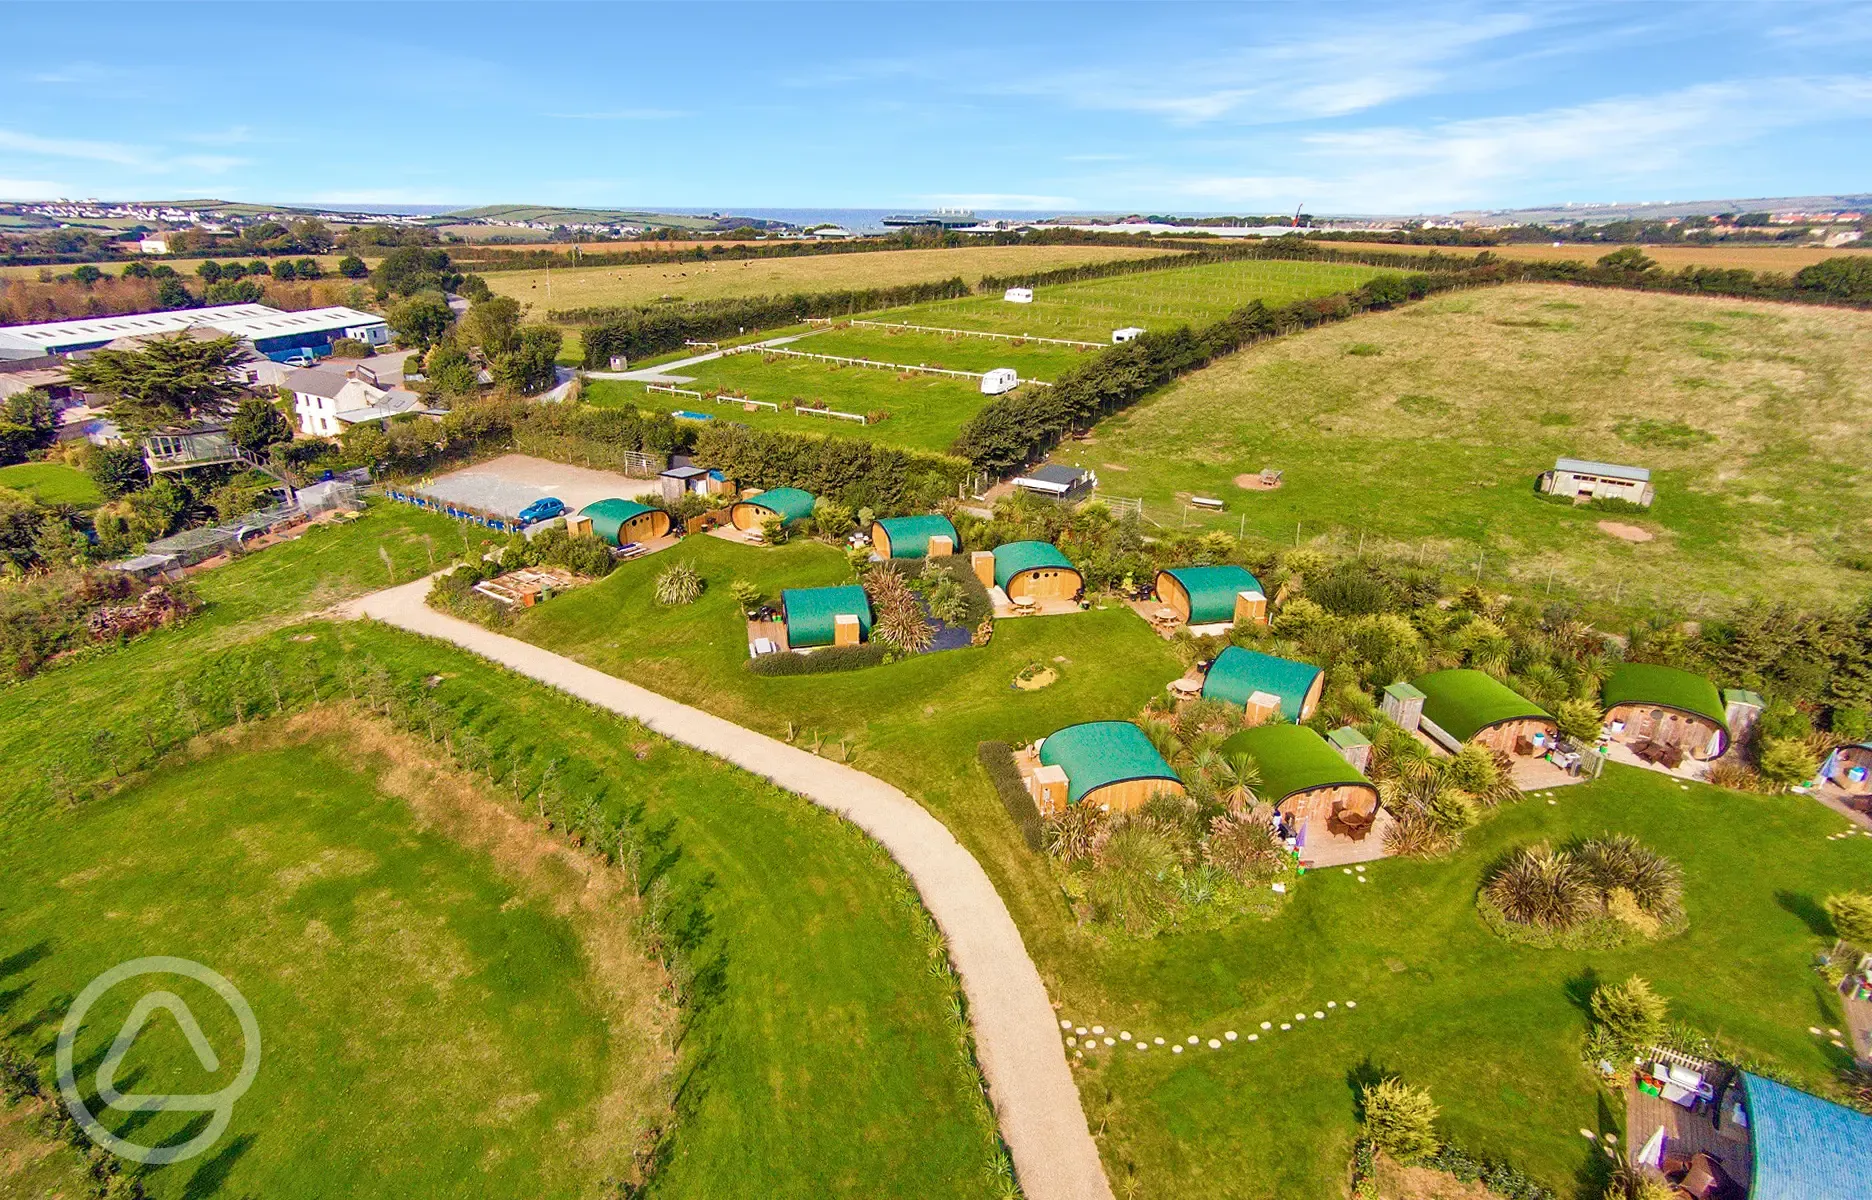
{"x": 1016, "y": 1029}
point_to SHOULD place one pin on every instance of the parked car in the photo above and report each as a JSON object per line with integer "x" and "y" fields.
{"x": 544, "y": 509}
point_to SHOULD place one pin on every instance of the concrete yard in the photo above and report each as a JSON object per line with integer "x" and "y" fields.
{"x": 509, "y": 483}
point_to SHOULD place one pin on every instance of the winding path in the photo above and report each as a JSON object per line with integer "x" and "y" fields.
{"x": 1017, "y": 1035}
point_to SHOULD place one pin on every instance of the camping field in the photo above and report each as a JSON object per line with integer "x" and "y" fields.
{"x": 1422, "y": 431}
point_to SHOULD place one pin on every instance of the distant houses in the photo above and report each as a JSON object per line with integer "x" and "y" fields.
{"x": 1056, "y": 482}
{"x": 328, "y": 402}
{"x": 1582, "y": 480}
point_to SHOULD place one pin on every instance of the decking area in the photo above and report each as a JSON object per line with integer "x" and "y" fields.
{"x": 1705, "y": 1129}
{"x": 1330, "y": 843}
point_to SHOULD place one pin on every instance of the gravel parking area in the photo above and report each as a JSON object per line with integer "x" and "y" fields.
{"x": 509, "y": 483}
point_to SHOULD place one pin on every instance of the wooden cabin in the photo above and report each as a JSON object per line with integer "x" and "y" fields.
{"x": 825, "y": 616}
{"x": 1108, "y": 764}
{"x": 1035, "y": 569}
{"x": 1647, "y": 703}
{"x": 788, "y": 504}
{"x": 1464, "y": 707}
{"x": 1849, "y": 768}
{"x": 929, "y": 536}
{"x": 1266, "y": 687}
{"x": 619, "y": 522}
{"x": 1212, "y": 595}
{"x": 1306, "y": 779}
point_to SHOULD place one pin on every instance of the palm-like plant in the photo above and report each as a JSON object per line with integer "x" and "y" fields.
{"x": 1622, "y": 861}
{"x": 679, "y": 583}
{"x": 1237, "y": 776}
{"x": 1132, "y": 883}
{"x": 1539, "y": 886}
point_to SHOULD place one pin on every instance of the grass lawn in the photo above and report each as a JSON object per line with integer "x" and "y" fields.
{"x": 1153, "y": 299}
{"x": 956, "y": 352}
{"x": 52, "y": 483}
{"x": 601, "y": 287}
{"x": 1426, "y": 427}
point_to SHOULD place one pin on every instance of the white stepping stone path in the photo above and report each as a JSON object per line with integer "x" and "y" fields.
{"x": 1110, "y": 1042}
{"x": 1319, "y": 1016}
{"x": 1098, "y": 1029}
{"x": 1194, "y": 1039}
{"x": 1267, "y": 1024}
{"x": 1124, "y": 1035}
{"x": 1082, "y": 1038}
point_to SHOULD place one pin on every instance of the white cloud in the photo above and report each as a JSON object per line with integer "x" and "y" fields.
{"x": 110, "y": 152}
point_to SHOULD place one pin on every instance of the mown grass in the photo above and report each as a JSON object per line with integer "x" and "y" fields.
{"x": 1158, "y": 300}
{"x": 52, "y": 483}
{"x": 1423, "y": 430}
{"x": 955, "y": 352}
{"x": 600, "y": 287}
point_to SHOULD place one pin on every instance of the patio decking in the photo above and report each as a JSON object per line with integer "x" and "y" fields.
{"x": 1687, "y": 1132}
{"x": 1323, "y": 848}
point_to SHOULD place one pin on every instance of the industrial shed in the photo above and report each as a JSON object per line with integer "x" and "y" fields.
{"x": 1304, "y": 778}
{"x": 1664, "y": 706}
{"x": 1264, "y": 685}
{"x": 620, "y": 522}
{"x": 1107, "y": 764}
{"x": 789, "y": 504}
{"x": 1035, "y": 569}
{"x": 929, "y": 536}
{"x": 1461, "y": 707}
{"x": 825, "y": 616}
{"x": 1212, "y": 595}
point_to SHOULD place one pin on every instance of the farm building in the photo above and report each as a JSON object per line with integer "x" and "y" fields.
{"x": 1307, "y": 780}
{"x": 788, "y": 504}
{"x": 1018, "y": 295}
{"x": 1128, "y": 334}
{"x": 620, "y": 522}
{"x": 700, "y": 481}
{"x": 1583, "y": 481}
{"x": 999, "y": 380}
{"x": 1035, "y": 569}
{"x": 1212, "y": 595}
{"x": 1664, "y": 706}
{"x": 1463, "y": 707}
{"x": 271, "y": 332}
{"x": 1264, "y": 685}
{"x": 928, "y": 536}
{"x": 1057, "y": 482}
{"x": 825, "y": 616}
{"x": 1108, "y": 764}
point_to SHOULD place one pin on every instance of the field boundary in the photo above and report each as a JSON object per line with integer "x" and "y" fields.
{"x": 872, "y": 362}
{"x": 1011, "y": 337}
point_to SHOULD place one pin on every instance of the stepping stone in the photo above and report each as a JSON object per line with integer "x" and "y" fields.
{"x": 1319, "y": 1016}
{"x": 1110, "y": 1042}
{"x": 1285, "y": 1025}
{"x": 1176, "y": 1049}
{"x": 1072, "y": 1041}
{"x": 1065, "y": 1024}
{"x": 1124, "y": 1035}
{"x": 1299, "y": 1016}
{"x": 1159, "y": 1041}
{"x": 1254, "y": 1037}
{"x": 1814, "y": 1029}
{"x": 1267, "y": 1024}
{"x": 1834, "y": 1032}
{"x": 1589, "y": 1135}
{"x": 1230, "y": 1035}
{"x": 1840, "y": 1044}
{"x": 1214, "y": 1045}
{"x": 1140, "y": 1045}
{"x": 1364, "y": 879}
{"x": 1081, "y": 1031}
{"x": 1332, "y": 1004}
{"x": 1553, "y": 802}
{"x": 1280, "y": 889}
{"x": 1360, "y": 870}
{"x": 1347, "y": 870}
{"x": 1194, "y": 1040}
{"x": 1351, "y": 1003}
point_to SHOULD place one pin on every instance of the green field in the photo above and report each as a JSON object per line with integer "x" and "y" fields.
{"x": 1152, "y": 299}
{"x": 1491, "y": 1028}
{"x": 51, "y": 483}
{"x": 955, "y": 352}
{"x": 1748, "y": 414}
{"x": 815, "y": 1013}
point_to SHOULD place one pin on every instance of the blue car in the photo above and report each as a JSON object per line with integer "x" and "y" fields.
{"x": 542, "y": 510}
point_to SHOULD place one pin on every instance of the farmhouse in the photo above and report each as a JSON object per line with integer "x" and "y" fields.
{"x": 1464, "y": 707}
{"x": 1264, "y": 685}
{"x": 619, "y": 522}
{"x": 1028, "y": 570}
{"x": 1583, "y": 480}
{"x": 274, "y": 334}
{"x": 929, "y": 536}
{"x": 825, "y": 616}
{"x": 328, "y": 403}
{"x": 1308, "y": 782}
{"x": 1057, "y": 482}
{"x": 999, "y": 380}
{"x": 788, "y": 504}
{"x": 1110, "y": 765}
{"x": 1018, "y": 295}
{"x": 1653, "y": 706}
{"x": 1212, "y": 595}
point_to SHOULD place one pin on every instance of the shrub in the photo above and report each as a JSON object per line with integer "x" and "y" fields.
{"x": 1580, "y": 719}
{"x": 1131, "y": 885}
{"x": 997, "y": 758}
{"x": 1075, "y": 834}
{"x": 1399, "y": 1119}
{"x": 679, "y": 583}
{"x": 1632, "y": 1182}
{"x": 821, "y": 662}
{"x": 350, "y": 348}
{"x": 1785, "y": 762}
{"x": 1538, "y": 886}
{"x": 773, "y": 531}
{"x": 1630, "y": 1012}
{"x": 1244, "y": 847}
{"x": 747, "y": 594}
{"x": 1621, "y": 863}
{"x": 1851, "y": 913}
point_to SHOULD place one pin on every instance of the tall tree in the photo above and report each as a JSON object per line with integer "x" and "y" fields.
{"x": 258, "y": 425}
{"x": 171, "y": 379}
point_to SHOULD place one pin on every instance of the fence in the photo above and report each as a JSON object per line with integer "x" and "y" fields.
{"x": 829, "y": 412}
{"x": 1007, "y": 337}
{"x": 461, "y": 512}
{"x": 668, "y": 389}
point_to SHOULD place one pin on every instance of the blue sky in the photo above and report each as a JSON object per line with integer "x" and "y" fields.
{"x": 1128, "y": 107}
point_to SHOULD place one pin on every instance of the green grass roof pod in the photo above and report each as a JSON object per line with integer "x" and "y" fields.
{"x": 1666, "y": 687}
{"x": 1293, "y": 759}
{"x": 1014, "y": 557}
{"x": 1100, "y": 753}
{"x": 1238, "y": 674}
{"x": 1212, "y": 591}
{"x": 1463, "y": 702}
{"x": 789, "y": 504}
{"x": 1804, "y": 1148}
{"x": 909, "y": 537}
{"x": 811, "y": 613}
{"x": 608, "y": 518}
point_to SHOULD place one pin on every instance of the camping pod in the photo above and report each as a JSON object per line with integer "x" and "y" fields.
{"x": 1303, "y": 776}
{"x": 1212, "y": 595}
{"x": 1264, "y": 685}
{"x": 1034, "y": 569}
{"x": 1110, "y": 765}
{"x": 1463, "y": 707}
{"x": 787, "y": 504}
{"x": 1645, "y": 702}
{"x": 620, "y": 522}
{"x": 825, "y": 616}
{"x": 929, "y": 536}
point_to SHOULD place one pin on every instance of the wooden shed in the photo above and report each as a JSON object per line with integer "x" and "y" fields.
{"x": 1665, "y": 706}
{"x": 1212, "y": 595}
{"x": 788, "y": 504}
{"x": 620, "y": 522}
{"x": 1304, "y": 777}
{"x": 825, "y": 616}
{"x": 1036, "y": 569}
{"x": 1463, "y": 707}
{"x": 1263, "y": 685}
{"x": 929, "y": 536}
{"x": 1107, "y": 764}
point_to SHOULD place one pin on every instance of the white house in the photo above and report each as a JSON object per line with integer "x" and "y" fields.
{"x": 1128, "y": 333}
{"x": 1001, "y": 379}
{"x": 1018, "y": 295}
{"x": 153, "y": 245}
{"x": 1581, "y": 481}
{"x": 327, "y": 403}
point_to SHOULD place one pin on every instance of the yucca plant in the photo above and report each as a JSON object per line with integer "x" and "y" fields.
{"x": 1075, "y": 834}
{"x": 1243, "y": 847}
{"x": 905, "y": 628}
{"x": 1237, "y": 776}
{"x": 679, "y": 583}
{"x": 1131, "y": 886}
{"x": 1540, "y": 886}
{"x": 1622, "y": 861}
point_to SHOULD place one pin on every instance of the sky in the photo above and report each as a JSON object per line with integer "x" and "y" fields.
{"x": 1136, "y": 107}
